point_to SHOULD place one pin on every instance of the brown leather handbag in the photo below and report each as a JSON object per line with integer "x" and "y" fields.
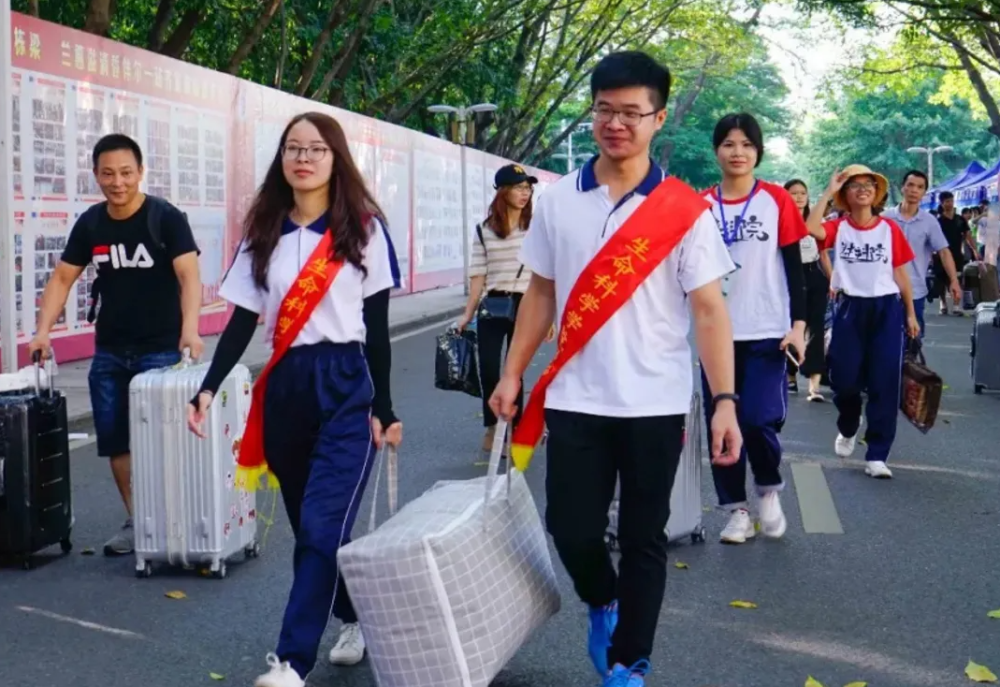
{"x": 921, "y": 393}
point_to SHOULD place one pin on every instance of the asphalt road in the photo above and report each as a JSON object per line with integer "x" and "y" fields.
{"x": 899, "y": 599}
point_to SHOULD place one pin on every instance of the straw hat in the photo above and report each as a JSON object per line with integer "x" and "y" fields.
{"x": 881, "y": 186}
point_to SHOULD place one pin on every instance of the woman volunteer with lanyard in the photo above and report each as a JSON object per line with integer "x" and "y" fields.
{"x": 496, "y": 272}
{"x": 767, "y": 303}
{"x": 318, "y": 263}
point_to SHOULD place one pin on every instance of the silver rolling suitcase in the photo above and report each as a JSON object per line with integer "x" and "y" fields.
{"x": 187, "y": 509}
{"x": 986, "y": 348}
{"x": 685, "y": 498}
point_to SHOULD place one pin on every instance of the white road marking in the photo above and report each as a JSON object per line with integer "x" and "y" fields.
{"x": 80, "y": 623}
{"x": 819, "y": 514}
{"x": 80, "y": 443}
{"x": 440, "y": 325}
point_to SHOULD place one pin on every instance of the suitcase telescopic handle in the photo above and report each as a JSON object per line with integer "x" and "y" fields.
{"x": 36, "y": 359}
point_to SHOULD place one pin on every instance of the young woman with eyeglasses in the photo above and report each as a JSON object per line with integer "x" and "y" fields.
{"x": 766, "y": 295}
{"x": 817, "y": 291}
{"x": 317, "y": 262}
{"x": 874, "y": 313}
{"x": 498, "y": 280}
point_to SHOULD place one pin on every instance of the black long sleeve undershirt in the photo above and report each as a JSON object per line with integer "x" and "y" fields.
{"x": 791, "y": 255}
{"x": 378, "y": 351}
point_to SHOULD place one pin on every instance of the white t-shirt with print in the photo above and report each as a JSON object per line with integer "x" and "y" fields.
{"x": 639, "y": 363}
{"x": 338, "y": 318}
{"x": 757, "y": 292}
{"x": 866, "y": 257}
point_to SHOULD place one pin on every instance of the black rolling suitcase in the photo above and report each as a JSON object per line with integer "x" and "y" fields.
{"x": 35, "y": 500}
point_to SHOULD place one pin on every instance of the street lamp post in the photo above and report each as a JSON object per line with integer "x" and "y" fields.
{"x": 930, "y": 153}
{"x": 568, "y": 155}
{"x": 464, "y": 120}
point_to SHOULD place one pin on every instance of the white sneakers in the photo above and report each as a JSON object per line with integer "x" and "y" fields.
{"x": 878, "y": 469}
{"x": 740, "y": 527}
{"x": 280, "y": 675}
{"x": 348, "y": 651}
{"x": 844, "y": 447}
{"x": 350, "y": 647}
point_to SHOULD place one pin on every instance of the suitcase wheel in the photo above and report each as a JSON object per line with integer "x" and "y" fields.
{"x": 978, "y": 388}
{"x": 698, "y": 536}
{"x": 220, "y": 574}
{"x": 66, "y": 545}
{"x": 252, "y": 551}
{"x": 612, "y": 541}
{"x": 145, "y": 571}
{"x": 27, "y": 564}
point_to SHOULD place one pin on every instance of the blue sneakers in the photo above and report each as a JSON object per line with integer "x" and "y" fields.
{"x": 628, "y": 677}
{"x": 602, "y": 625}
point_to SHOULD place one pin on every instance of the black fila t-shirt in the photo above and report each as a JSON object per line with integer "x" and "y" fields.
{"x": 140, "y": 304}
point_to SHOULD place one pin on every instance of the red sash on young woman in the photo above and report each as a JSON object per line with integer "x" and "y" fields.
{"x": 307, "y": 291}
{"x": 644, "y": 241}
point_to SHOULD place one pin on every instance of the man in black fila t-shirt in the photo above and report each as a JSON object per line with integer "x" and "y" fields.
{"x": 148, "y": 289}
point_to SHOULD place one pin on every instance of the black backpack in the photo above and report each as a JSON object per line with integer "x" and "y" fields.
{"x": 91, "y": 217}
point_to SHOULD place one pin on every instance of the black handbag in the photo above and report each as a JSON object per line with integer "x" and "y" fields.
{"x": 496, "y": 307}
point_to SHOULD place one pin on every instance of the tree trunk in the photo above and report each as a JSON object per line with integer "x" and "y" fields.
{"x": 253, "y": 37}
{"x": 982, "y": 90}
{"x": 343, "y": 62}
{"x": 337, "y": 13}
{"x": 99, "y": 15}
{"x": 179, "y": 40}
{"x": 158, "y": 32}
{"x": 33, "y": 8}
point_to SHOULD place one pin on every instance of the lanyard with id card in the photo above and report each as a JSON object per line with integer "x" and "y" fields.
{"x": 730, "y": 236}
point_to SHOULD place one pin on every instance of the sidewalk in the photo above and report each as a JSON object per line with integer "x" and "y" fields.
{"x": 406, "y": 313}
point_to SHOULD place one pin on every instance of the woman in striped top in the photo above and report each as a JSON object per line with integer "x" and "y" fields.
{"x": 498, "y": 280}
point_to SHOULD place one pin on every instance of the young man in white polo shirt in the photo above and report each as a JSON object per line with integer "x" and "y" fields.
{"x": 620, "y": 252}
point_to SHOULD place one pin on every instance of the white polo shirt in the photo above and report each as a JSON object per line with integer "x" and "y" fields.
{"x": 639, "y": 363}
{"x": 338, "y": 317}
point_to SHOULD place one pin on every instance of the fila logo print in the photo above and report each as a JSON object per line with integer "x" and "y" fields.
{"x": 119, "y": 258}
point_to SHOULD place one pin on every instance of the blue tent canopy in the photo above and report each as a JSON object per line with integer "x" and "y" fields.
{"x": 974, "y": 189}
{"x": 973, "y": 170}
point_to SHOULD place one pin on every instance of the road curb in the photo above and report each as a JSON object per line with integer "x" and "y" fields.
{"x": 84, "y": 422}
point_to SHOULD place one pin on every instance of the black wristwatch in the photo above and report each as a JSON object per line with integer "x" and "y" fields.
{"x": 735, "y": 398}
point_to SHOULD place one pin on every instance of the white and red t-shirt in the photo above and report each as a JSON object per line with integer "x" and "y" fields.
{"x": 757, "y": 292}
{"x": 866, "y": 257}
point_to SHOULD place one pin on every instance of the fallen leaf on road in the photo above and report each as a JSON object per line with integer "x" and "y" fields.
{"x": 857, "y": 684}
{"x": 176, "y": 595}
{"x": 862, "y": 442}
{"x": 216, "y": 676}
{"x": 205, "y": 572}
{"x": 681, "y": 566}
{"x": 978, "y": 673}
{"x": 994, "y": 614}
{"x": 87, "y": 552}
{"x": 813, "y": 682}
{"x": 481, "y": 464}
{"x": 742, "y": 604}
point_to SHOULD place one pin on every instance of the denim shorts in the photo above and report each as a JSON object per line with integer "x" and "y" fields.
{"x": 110, "y": 375}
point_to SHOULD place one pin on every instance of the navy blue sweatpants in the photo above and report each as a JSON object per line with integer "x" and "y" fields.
{"x": 762, "y": 386}
{"x": 318, "y": 443}
{"x": 866, "y": 355}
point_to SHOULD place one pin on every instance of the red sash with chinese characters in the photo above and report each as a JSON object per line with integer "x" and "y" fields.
{"x": 642, "y": 243}
{"x": 307, "y": 291}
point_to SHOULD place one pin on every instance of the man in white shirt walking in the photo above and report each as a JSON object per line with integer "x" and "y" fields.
{"x": 620, "y": 252}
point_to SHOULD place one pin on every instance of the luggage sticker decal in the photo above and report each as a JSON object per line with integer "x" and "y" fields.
{"x": 226, "y": 431}
{"x": 233, "y": 512}
{"x": 225, "y": 398}
{"x": 236, "y": 449}
{"x": 229, "y": 481}
{"x": 246, "y": 388}
{"x": 226, "y": 530}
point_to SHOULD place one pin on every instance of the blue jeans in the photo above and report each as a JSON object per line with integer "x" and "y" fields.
{"x": 111, "y": 372}
{"x": 918, "y": 307}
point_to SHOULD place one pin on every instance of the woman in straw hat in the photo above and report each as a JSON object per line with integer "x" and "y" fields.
{"x": 875, "y": 308}
{"x": 766, "y": 297}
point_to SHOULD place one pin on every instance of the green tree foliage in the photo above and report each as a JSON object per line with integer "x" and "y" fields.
{"x": 391, "y": 59}
{"x": 876, "y": 125}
